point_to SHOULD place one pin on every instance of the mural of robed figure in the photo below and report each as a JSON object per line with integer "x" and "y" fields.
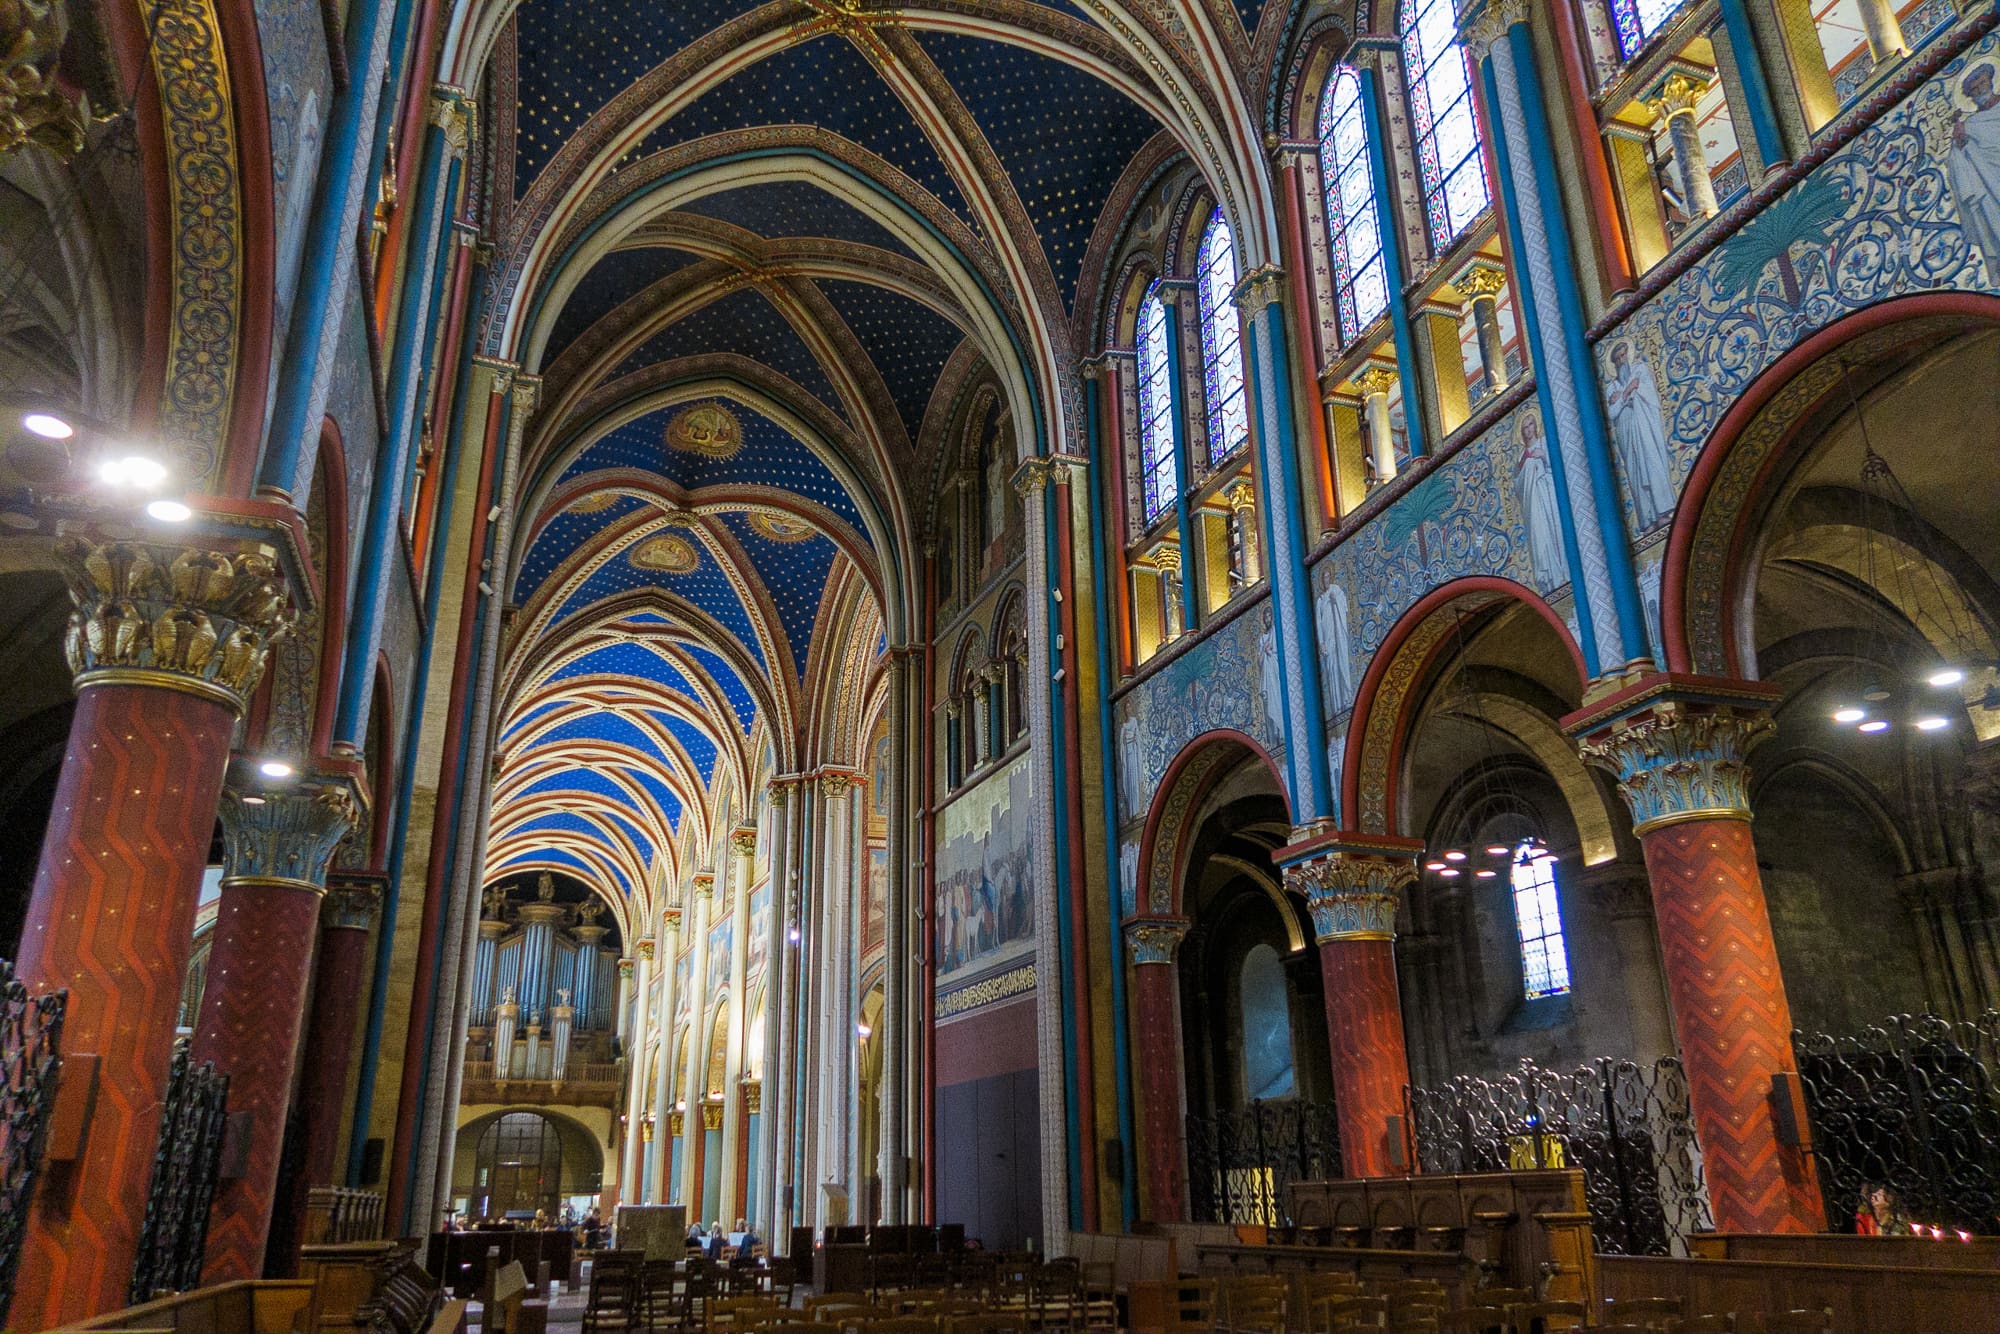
{"x": 1639, "y": 435}
{"x": 1973, "y": 166}
{"x": 1535, "y": 485}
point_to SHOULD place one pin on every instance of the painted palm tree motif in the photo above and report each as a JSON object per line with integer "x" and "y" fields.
{"x": 1805, "y": 215}
{"x": 1422, "y": 513}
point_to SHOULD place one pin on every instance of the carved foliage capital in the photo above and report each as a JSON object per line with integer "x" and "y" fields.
{"x": 743, "y": 841}
{"x": 835, "y": 786}
{"x": 1261, "y": 287}
{"x": 1155, "y": 939}
{"x": 1353, "y": 895}
{"x": 285, "y": 835}
{"x": 353, "y": 902}
{"x": 1677, "y": 760}
{"x": 185, "y": 618}
{"x": 33, "y": 107}
{"x": 646, "y": 949}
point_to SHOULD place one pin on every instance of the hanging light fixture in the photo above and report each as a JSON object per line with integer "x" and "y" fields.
{"x": 1451, "y": 863}
{"x": 1887, "y": 506}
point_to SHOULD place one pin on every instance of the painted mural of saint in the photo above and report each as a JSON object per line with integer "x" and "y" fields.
{"x": 1335, "y": 655}
{"x": 1535, "y": 484}
{"x": 1973, "y": 165}
{"x": 1270, "y": 687}
{"x": 1639, "y": 434}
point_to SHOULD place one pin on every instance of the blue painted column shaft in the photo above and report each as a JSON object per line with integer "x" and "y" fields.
{"x": 364, "y": 1095}
{"x": 1526, "y": 112}
{"x": 1052, "y": 514}
{"x": 385, "y": 491}
{"x": 1107, "y": 672}
{"x": 1281, "y": 508}
{"x": 1762, "y": 110}
{"x": 1531, "y": 329}
{"x": 1407, "y": 368}
{"x": 1183, "y": 469}
{"x": 329, "y": 233}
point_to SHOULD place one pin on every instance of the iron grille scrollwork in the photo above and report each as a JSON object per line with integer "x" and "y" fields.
{"x": 1628, "y": 1126}
{"x": 1240, "y": 1162}
{"x": 185, "y": 1167}
{"x": 1912, "y": 1103}
{"x": 30, "y": 1045}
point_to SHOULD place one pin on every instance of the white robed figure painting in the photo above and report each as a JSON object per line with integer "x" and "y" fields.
{"x": 1336, "y": 665}
{"x": 1639, "y": 435}
{"x": 1535, "y": 485}
{"x": 1973, "y": 166}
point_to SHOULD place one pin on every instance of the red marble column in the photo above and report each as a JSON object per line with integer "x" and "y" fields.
{"x": 277, "y": 843}
{"x": 167, "y": 643}
{"x": 352, "y": 905}
{"x": 1678, "y": 747}
{"x": 1156, "y": 1041}
{"x": 1353, "y": 885}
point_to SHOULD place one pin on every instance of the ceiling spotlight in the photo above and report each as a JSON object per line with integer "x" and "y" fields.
{"x": 1874, "y": 693}
{"x": 47, "y": 426}
{"x": 1454, "y": 856}
{"x": 1849, "y": 715}
{"x": 275, "y": 769}
{"x": 1932, "y": 723}
{"x": 253, "y": 800}
{"x": 1498, "y": 850}
{"x": 1433, "y": 866}
{"x": 1450, "y": 873}
{"x": 1946, "y": 676}
{"x": 132, "y": 470}
{"x": 169, "y": 511}
{"x": 1486, "y": 873}
{"x": 1879, "y": 725}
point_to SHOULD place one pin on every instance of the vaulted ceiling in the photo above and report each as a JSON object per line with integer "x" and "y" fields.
{"x": 757, "y": 251}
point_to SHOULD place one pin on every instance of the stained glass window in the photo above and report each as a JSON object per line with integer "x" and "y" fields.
{"x": 1447, "y": 125}
{"x": 1638, "y": 20}
{"x": 1221, "y": 343}
{"x": 1354, "y": 227}
{"x": 1544, "y": 958}
{"x": 1156, "y": 408}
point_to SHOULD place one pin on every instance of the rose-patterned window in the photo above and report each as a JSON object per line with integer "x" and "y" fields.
{"x": 1354, "y": 227}
{"x": 1221, "y": 343}
{"x": 1156, "y": 409}
{"x": 1446, "y": 123}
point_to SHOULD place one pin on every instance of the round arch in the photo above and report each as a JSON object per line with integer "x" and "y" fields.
{"x": 1194, "y": 773}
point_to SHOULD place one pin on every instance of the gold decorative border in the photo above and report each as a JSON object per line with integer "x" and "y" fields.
{"x": 205, "y": 234}
{"x": 987, "y": 991}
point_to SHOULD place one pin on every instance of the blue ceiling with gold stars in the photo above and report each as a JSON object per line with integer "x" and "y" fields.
{"x": 743, "y": 322}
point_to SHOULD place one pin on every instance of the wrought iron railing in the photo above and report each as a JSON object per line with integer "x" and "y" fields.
{"x": 1240, "y": 1162}
{"x": 185, "y": 1166}
{"x": 1913, "y": 1104}
{"x": 30, "y": 1042}
{"x": 1626, "y": 1125}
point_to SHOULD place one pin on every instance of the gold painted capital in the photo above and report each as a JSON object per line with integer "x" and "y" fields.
{"x": 353, "y": 903}
{"x": 1242, "y": 496}
{"x": 1482, "y": 281}
{"x": 33, "y": 107}
{"x": 1167, "y": 558}
{"x": 1261, "y": 287}
{"x": 646, "y": 945}
{"x": 711, "y": 1116}
{"x": 703, "y": 882}
{"x": 1480, "y": 31}
{"x": 182, "y": 618}
{"x": 284, "y": 836}
{"x": 1353, "y": 890}
{"x": 834, "y": 786}
{"x": 779, "y": 792}
{"x": 1677, "y": 96}
{"x": 625, "y": 970}
{"x": 1375, "y": 380}
{"x": 743, "y": 841}
{"x": 1032, "y": 477}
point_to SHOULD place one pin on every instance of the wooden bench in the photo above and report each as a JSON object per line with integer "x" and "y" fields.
{"x": 1864, "y": 1299}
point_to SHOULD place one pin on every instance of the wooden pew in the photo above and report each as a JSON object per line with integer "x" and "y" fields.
{"x": 1864, "y": 1299}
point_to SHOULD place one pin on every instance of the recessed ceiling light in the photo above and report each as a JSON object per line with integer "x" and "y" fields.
{"x": 170, "y": 511}
{"x": 1433, "y": 866}
{"x": 1486, "y": 873}
{"x": 1878, "y": 725}
{"x": 1946, "y": 676}
{"x": 48, "y": 426}
{"x": 1450, "y": 873}
{"x": 1849, "y": 715}
{"x": 1497, "y": 849}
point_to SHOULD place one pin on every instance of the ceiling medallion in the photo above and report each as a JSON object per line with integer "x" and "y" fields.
{"x": 705, "y": 429}
{"x": 780, "y": 527}
{"x": 670, "y": 554}
{"x": 594, "y": 503}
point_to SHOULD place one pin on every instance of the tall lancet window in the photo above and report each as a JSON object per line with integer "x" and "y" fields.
{"x": 1354, "y": 227}
{"x": 1156, "y": 408}
{"x": 1447, "y": 125}
{"x": 1221, "y": 343}
{"x": 1544, "y": 957}
{"x": 1638, "y": 20}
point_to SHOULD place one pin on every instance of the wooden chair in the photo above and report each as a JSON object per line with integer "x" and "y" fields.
{"x": 736, "y": 1313}
{"x": 1255, "y": 1305}
{"x": 902, "y": 1324}
{"x": 1057, "y": 1289}
{"x": 613, "y": 1302}
{"x": 1502, "y": 1297}
{"x": 1477, "y": 1320}
{"x": 1799, "y": 1322}
{"x": 1332, "y": 1283}
{"x": 780, "y": 1276}
{"x": 659, "y": 1294}
{"x": 1100, "y": 1297}
{"x": 819, "y": 1302}
{"x": 1191, "y": 1310}
{"x": 803, "y": 1327}
{"x": 1703, "y": 1324}
{"x": 1334, "y": 1313}
{"x": 990, "y": 1323}
{"x": 1548, "y": 1317}
{"x": 1626, "y": 1329}
{"x": 1653, "y": 1312}
{"x": 1421, "y": 1325}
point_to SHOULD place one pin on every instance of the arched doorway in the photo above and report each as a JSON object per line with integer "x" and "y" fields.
{"x": 518, "y": 1167}
{"x": 1839, "y": 545}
